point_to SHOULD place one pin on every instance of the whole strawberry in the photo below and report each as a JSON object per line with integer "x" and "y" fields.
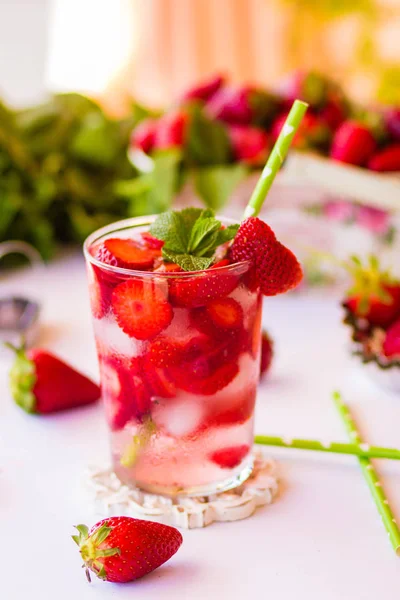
{"x": 122, "y": 549}
{"x": 267, "y": 353}
{"x": 374, "y": 295}
{"x": 387, "y": 159}
{"x": 276, "y": 268}
{"x": 249, "y": 144}
{"x": 42, "y": 383}
{"x": 353, "y": 143}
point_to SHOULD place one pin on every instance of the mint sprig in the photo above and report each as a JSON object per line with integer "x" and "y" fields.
{"x": 191, "y": 237}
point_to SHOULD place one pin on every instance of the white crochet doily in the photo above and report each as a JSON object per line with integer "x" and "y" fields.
{"x": 111, "y": 497}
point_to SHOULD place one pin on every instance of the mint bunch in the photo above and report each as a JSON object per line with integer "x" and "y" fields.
{"x": 191, "y": 237}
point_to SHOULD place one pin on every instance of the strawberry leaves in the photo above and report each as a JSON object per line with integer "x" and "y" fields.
{"x": 191, "y": 237}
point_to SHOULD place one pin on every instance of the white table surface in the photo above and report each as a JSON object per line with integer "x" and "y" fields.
{"x": 321, "y": 540}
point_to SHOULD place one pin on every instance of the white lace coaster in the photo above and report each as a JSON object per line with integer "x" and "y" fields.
{"x": 112, "y": 497}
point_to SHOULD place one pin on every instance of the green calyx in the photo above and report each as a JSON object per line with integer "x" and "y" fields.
{"x": 191, "y": 237}
{"x": 89, "y": 546}
{"x": 369, "y": 282}
{"x": 23, "y": 379}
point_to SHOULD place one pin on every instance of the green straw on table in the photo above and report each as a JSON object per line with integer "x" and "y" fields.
{"x": 370, "y": 475}
{"x": 364, "y": 450}
{"x": 276, "y": 158}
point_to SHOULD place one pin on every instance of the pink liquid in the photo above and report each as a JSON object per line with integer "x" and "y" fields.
{"x": 181, "y": 423}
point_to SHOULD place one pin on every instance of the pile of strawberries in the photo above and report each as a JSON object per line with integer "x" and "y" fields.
{"x": 253, "y": 117}
{"x": 373, "y": 312}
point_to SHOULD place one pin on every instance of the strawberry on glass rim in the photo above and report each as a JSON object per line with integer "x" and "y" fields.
{"x": 177, "y": 312}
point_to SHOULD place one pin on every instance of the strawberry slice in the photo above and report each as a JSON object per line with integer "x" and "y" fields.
{"x": 165, "y": 352}
{"x": 141, "y": 309}
{"x": 230, "y": 457}
{"x": 151, "y": 242}
{"x": 239, "y": 410}
{"x": 126, "y": 395}
{"x": 168, "y": 268}
{"x": 201, "y": 289}
{"x": 130, "y": 254}
{"x": 225, "y": 313}
{"x": 160, "y": 382}
{"x": 201, "y": 377}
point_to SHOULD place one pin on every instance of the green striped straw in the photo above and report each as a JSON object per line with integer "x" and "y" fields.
{"x": 362, "y": 449}
{"x": 276, "y": 158}
{"x": 370, "y": 475}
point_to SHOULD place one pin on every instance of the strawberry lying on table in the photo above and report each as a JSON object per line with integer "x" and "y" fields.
{"x": 42, "y": 383}
{"x": 122, "y": 549}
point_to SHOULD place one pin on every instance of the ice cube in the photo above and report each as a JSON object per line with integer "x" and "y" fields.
{"x": 181, "y": 416}
{"x": 113, "y": 339}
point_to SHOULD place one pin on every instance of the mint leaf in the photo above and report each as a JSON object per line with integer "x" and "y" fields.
{"x": 207, "y": 140}
{"x": 215, "y": 185}
{"x": 191, "y": 237}
{"x": 203, "y": 232}
{"x": 227, "y": 234}
{"x": 169, "y": 228}
{"x": 188, "y": 262}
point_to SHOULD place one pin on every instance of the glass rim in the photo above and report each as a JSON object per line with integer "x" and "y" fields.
{"x": 147, "y": 220}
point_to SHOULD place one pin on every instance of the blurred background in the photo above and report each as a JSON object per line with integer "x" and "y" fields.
{"x": 153, "y": 49}
{"x": 102, "y": 116}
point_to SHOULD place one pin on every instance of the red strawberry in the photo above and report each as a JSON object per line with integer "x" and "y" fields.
{"x": 130, "y": 254}
{"x": 151, "y": 242}
{"x": 201, "y": 289}
{"x": 353, "y": 143}
{"x": 115, "y": 391}
{"x": 144, "y": 134}
{"x": 171, "y": 131}
{"x": 99, "y": 293}
{"x": 238, "y": 411}
{"x": 121, "y": 549}
{"x": 160, "y": 381}
{"x": 101, "y": 253}
{"x": 225, "y": 313}
{"x": 124, "y": 389}
{"x": 204, "y": 90}
{"x": 200, "y": 376}
{"x": 224, "y": 262}
{"x": 387, "y": 159}
{"x": 242, "y": 106}
{"x": 231, "y": 105}
{"x": 165, "y": 352}
{"x": 168, "y": 268}
{"x": 231, "y": 457}
{"x": 42, "y": 383}
{"x": 277, "y": 269}
{"x": 391, "y": 343}
{"x": 141, "y": 309}
{"x": 267, "y": 353}
{"x": 250, "y": 144}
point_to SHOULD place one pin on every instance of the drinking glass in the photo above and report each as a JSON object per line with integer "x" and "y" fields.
{"x": 179, "y": 402}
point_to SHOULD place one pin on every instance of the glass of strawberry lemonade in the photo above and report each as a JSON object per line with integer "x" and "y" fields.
{"x": 177, "y": 326}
